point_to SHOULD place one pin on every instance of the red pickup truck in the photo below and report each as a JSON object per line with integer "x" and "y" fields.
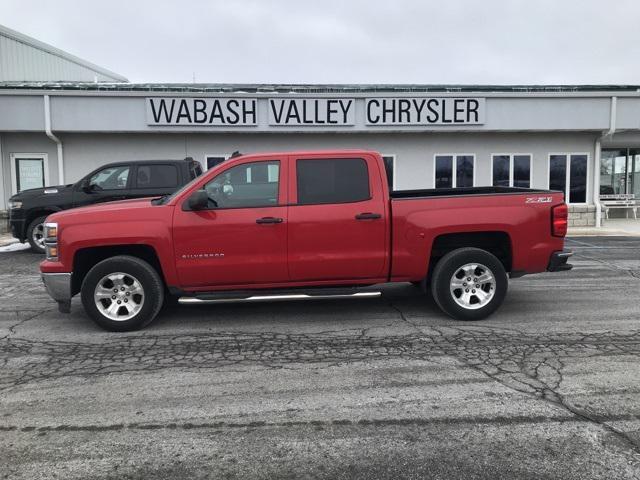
{"x": 310, "y": 223}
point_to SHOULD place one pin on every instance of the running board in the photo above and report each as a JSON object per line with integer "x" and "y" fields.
{"x": 257, "y": 297}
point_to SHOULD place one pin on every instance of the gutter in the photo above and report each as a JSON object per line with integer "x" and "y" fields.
{"x": 47, "y": 129}
{"x": 598, "y": 153}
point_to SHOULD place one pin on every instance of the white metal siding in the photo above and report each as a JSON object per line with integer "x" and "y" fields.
{"x": 20, "y": 62}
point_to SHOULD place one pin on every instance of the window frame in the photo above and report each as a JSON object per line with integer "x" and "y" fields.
{"x": 394, "y": 157}
{"x": 454, "y": 170}
{"x": 281, "y": 162}
{"x": 26, "y": 156}
{"x": 226, "y": 157}
{"x": 511, "y": 170}
{"x": 294, "y": 180}
{"x": 567, "y": 180}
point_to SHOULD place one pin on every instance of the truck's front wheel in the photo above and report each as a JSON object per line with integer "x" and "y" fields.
{"x": 469, "y": 284}
{"x": 122, "y": 293}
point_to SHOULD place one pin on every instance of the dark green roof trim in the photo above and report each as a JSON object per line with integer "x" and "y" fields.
{"x": 308, "y": 88}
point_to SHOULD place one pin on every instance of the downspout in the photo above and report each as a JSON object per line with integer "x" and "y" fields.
{"x": 47, "y": 129}
{"x": 597, "y": 157}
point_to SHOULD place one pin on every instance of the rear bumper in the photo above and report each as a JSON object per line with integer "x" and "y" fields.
{"x": 558, "y": 261}
{"x": 58, "y": 287}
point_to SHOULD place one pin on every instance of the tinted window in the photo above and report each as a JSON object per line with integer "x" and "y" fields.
{"x": 464, "y": 171}
{"x": 501, "y": 170}
{"x": 522, "y": 171}
{"x": 332, "y": 181}
{"x": 558, "y": 173}
{"x": 111, "y": 178}
{"x": 388, "y": 167}
{"x": 247, "y": 185}
{"x": 444, "y": 171}
{"x": 157, "y": 176}
{"x": 578, "y": 180}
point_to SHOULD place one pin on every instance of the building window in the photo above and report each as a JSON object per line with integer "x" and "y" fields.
{"x": 389, "y": 167}
{"x": 511, "y": 170}
{"x": 29, "y": 170}
{"x": 568, "y": 173}
{"x": 342, "y": 180}
{"x": 454, "y": 170}
{"x": 214, "y": 159}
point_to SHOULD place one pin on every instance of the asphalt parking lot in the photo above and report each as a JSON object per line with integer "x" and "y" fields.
{"x": 549, "y": 387}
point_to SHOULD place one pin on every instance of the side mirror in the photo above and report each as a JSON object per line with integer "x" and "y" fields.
{"x": 86, "y": 187}
{"x": 199, "y": 200}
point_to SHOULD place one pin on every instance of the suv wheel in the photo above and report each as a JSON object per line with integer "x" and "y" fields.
{"x": 35, "y": 235}
{"x": 469, "y": 284}
{"x": 122, "y": 293}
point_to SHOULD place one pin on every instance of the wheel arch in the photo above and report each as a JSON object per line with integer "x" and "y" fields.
{"x": 84, "y": 259}
{"x": 497, "y": 243}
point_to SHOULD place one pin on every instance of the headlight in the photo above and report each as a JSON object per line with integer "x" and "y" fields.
{"x": 15, "y": 204}
{"x": 51, "y": 240}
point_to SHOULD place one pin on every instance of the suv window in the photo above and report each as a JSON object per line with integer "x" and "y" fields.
{"x": 340, "y": 180}
{"x": 110, "y": 178}
{"x": 247, "y": 185}
{"x": 157, "y": 176}
{"x": 195, "y": 169}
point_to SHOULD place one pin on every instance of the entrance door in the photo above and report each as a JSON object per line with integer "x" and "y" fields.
{"x": 29, "y": 170}
{"x": 241, "y": 239}
{"x": 620, "y": 171}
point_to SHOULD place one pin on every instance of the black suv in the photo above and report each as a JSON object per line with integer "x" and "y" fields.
{"x": 115, "y": 181}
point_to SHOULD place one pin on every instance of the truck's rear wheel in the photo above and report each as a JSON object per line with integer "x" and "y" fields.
{"x": 469, "y": 284}
{"x": 35, "y": 235}
{"x": 122, "y": 293}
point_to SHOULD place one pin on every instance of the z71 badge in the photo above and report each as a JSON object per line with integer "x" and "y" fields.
{"x": 539, "y": 200}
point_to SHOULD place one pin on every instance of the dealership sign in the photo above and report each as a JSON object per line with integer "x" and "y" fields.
{"x": 316, "y": 112}
{"x": 202, "y": 111}
{"x": 424, "y": 111}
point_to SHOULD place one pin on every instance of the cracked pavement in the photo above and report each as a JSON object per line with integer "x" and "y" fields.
{"x": 548, "y": 387}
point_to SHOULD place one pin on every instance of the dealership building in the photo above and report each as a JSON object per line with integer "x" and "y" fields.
{"x": 55, "y": 128}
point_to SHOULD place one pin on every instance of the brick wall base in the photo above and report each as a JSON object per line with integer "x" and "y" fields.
{"x": 3, "y": 221}
{"x": 582, "y": 215}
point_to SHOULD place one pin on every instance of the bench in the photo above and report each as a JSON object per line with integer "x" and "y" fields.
{"x": 619, "y": 200}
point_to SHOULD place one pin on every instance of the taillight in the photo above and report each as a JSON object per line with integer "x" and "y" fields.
{"x": 559, "y": 220}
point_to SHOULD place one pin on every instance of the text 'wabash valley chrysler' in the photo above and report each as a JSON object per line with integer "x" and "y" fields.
{"x": 300, "y": 223}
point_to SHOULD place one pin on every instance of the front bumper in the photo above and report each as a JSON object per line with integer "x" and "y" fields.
{"x": 558, "y": 261}
{"x": 16, "y": 228}
{"x": 58, "y": 287}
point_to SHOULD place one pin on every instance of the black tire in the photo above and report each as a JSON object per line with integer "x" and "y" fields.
{"x": 449, "y": 265}
{"x": 145, "y": 274}
{"x": 36, "y": 223}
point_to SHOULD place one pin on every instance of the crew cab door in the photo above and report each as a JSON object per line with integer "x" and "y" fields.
{"x": 105, "y": 185}
{"x": 241, "y": 239}
{"x": 338, "y": 219}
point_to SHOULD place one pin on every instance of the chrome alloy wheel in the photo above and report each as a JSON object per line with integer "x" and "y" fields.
{"x": 37, "y": 235}
{"x": 472, "y": 286}
{"x": 119, "y": 296}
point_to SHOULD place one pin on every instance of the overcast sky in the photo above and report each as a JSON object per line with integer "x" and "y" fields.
{"x": 344, "y": 41}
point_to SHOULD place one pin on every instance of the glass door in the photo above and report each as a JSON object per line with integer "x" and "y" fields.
{"x": 620, "y": 171}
